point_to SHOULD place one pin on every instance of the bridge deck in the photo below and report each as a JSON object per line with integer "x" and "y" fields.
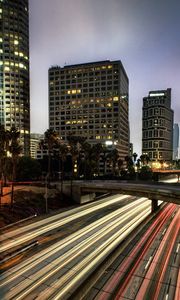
{"x": 167, "y": 193}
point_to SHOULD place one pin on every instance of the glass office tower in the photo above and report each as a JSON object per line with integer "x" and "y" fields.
{"x": 91, "y": 100}
{"x": 14, "y": 68}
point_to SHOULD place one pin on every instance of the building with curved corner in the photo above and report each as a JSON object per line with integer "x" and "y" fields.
{"x": 14, "y": 68}
{"x": 157, "y": 127}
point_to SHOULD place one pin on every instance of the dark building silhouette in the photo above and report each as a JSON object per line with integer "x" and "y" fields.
{"x": 14, "y": 68}
{"x": 91, "y": 100}
{"x": 157, "y": 127}
{"x": 175, "y": 141}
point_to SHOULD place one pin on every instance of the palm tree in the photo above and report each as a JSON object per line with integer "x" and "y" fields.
{"x": 76, "y": 144}
{"x": 104, "y": 158}
{"x": 50, "y": 140}
{"x": 144, "y": 159}
{"x": 134, "y": 157}
{"x": 15, "y": 150}
{"x": 114, "y": 157}
{"x": 97, "y": 149}
{"x": 129, "y": 161}
{"x": 120, "y": 164}
{"x": 86, "y": 159}
{"x": 2, "y": 155}
{"x": 63, "y": 151}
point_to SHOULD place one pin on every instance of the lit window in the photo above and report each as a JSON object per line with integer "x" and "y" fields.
{"x": 16, "y": 42}
{"x": 115, "y": 98}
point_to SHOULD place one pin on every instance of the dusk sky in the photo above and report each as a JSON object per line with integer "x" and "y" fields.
{"x": 143, "y": 34}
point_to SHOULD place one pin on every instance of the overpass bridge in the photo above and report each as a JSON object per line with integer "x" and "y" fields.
{"x": 85, "y": 191}
{"x": 160, "y": 173}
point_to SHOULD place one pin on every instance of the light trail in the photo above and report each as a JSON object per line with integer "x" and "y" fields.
{"x": 174, "y": 230}
{"x": 45, "y": 254}
{"x": 120, "y": 278}
{"x": 82, "y": 245}
{"x": 89, "y": 264}
{"x": 65, "y": 220}
{"x": 104, "y": 202}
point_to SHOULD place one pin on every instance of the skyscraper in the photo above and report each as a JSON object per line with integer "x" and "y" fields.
{"x": 14, "y": 68}
{"x": 91, "y": 100}
{"x": 157, "y": 127}
{"x": 175, "y": 141}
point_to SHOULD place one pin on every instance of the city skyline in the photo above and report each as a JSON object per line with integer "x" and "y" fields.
{"x": 144, "y": 38}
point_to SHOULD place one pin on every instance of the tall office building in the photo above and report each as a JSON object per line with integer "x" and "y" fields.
{"x": 14, "y": 68}
{"x": 35, "y": 139}
{"x": 157, "y": 127}
{"x": 91, "y": 100}
{"x": 175, "y": 141}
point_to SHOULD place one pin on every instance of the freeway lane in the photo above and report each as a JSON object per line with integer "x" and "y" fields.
{"x": 59, "y": 272}
{"x": 67, "y": 242}
{"x": 159, "y": 266}
{"x": 149, "y": 269}
{"x": 17, "y": 237}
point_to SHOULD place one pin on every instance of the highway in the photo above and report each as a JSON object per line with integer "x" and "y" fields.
{"x": 55, "y": 272}
{"x": 147, "y": 270}
{"x": 27, "y": 233}
{"x": 148, "y": 266}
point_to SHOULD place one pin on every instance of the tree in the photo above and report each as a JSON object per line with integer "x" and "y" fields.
{"x": 28, "y": 168}
{"x": 134, "y": 157}
{"x": 144, "y": 159}
{"x": 138, "y": 164}
{"x": 145, "y": 173}
{"x": 129, "y": 162}
{"x": 120, "y": 164}
{"x": 104, "y": 158}
{"x": 114, "y": 157}
{"x": 88, "y": 160}
{"x": 97, "y": 149}
{"x": 2, "y": 154}
{"x": 15, "y": 149}
{"x": 75, "y": 143}
{"x": 75, "y": 146}
{"x": 63, "y": 151}
{"x": 50, "y": 140}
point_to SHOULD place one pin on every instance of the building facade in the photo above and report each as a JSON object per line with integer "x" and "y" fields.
{"x": 157, "y": 126}
{"x": 14, "y": 68}
{"x": 91, "y": 100}
{"x": 35, "y": 139}
{"x": 175, "y": 141}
